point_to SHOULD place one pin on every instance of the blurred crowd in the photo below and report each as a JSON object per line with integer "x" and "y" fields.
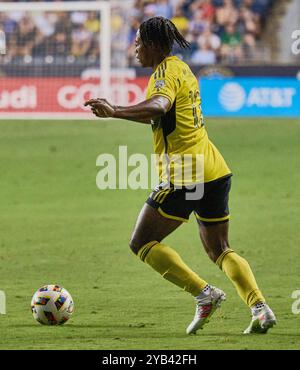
{"x": 51, "y": 34}
{"x": 225, "y": 31}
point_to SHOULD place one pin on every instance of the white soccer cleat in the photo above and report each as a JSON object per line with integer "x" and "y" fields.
{"x": 206, "y": 305}
{"x": 263, "y": 319}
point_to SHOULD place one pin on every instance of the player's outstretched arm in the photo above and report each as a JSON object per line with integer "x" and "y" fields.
{"x": 143, "y": 112}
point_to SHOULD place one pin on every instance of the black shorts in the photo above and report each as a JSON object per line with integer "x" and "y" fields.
{"x": 212, "y": 207}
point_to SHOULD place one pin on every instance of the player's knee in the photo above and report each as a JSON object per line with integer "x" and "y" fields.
{"x": 135, "y": 245}
{"x": 213, "y": 256}
{"x": 215, "y": 251}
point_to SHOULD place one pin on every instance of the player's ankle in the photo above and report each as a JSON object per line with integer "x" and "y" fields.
{"x": 258, "y": 306}
{"x": 204, "y": 292}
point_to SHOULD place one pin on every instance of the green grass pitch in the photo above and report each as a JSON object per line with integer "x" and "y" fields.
{"x": 56, "y": 226}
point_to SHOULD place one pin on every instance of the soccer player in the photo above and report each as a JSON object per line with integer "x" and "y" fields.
{"x": 173, "y": 108}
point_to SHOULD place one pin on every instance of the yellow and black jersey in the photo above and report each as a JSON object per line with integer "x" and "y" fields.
{"x": 180, "y": 132}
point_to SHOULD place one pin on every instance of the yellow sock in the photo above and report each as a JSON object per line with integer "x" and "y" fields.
{"x": 239, "y": 272}
{"x": 169, "y": 264}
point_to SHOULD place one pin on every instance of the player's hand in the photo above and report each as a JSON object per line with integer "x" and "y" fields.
{"x": 101, "y": 107}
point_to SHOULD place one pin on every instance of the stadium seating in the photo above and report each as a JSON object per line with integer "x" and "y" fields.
{"x": 219, "y": 30}
{"x": 226, "y": 31}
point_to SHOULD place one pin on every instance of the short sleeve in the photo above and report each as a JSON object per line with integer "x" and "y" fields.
{"x": 164, "y": 82}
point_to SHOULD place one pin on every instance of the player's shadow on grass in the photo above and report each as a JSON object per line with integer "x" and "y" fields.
{"x": 112, "y": 325}
{"x": 78, "y": 326}
{"x": 133, "y": 328}
{"x": 97, "y": 326}
{"x": 271, "y": 333}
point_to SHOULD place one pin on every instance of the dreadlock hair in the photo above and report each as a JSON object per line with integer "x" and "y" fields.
{"x": 161, "y": 32}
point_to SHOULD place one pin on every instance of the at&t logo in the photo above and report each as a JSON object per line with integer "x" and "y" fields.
{"x": 232, "y": 96}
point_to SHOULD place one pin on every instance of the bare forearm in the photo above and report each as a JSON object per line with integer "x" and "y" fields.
{"x": 123, "y": 113}
{"x": 142, "y": 112}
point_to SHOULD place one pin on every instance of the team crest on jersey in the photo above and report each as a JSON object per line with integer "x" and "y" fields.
{"x": 159, "y": 84}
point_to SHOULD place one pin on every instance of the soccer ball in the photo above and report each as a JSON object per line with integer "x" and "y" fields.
{"x": 52, "y": 305}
